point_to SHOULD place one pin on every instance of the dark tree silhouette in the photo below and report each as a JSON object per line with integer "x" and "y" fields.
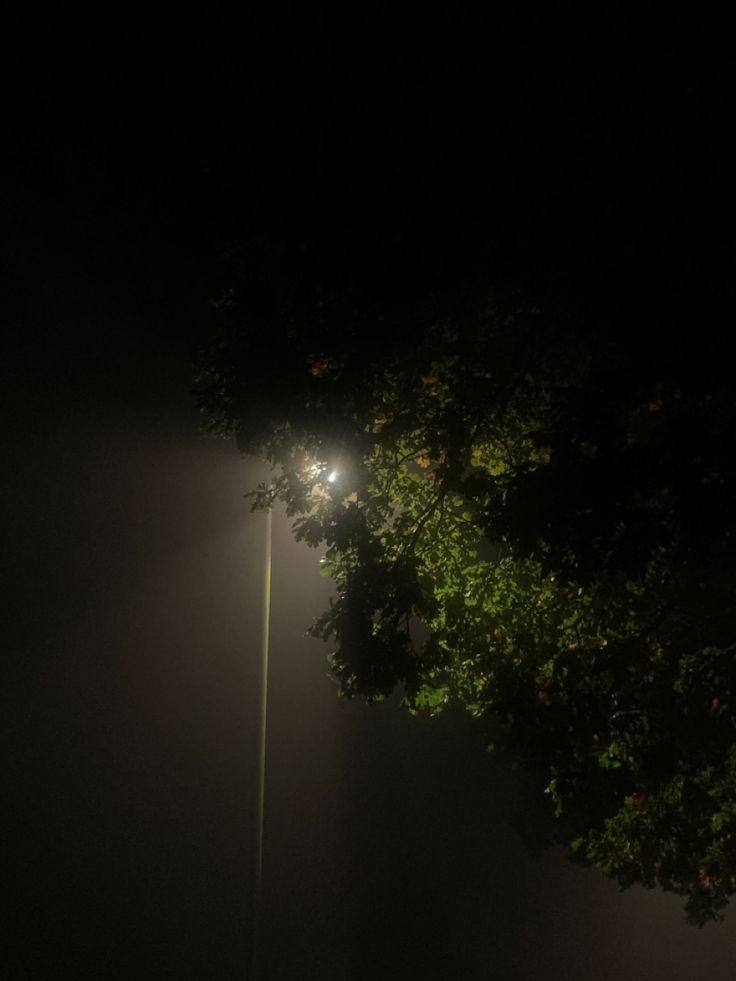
{"x": 504, "y": 404}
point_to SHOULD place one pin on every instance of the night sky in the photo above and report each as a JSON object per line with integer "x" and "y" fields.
{"x": 395, "y": 847}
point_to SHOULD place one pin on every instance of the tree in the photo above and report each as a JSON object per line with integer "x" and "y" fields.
{"x": 522, "y": 514}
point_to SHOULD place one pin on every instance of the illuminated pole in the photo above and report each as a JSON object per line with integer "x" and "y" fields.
{"x": 255, "y": 974}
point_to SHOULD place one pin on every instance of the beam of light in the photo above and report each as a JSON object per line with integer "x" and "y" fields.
{"x": 262, "y": 752}
{"x": 333, "y": 477}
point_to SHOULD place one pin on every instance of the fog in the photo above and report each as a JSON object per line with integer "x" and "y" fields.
{"x": 394, "y": 846}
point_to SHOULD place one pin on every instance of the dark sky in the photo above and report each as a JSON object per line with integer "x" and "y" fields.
{"x": 133, "y": 566}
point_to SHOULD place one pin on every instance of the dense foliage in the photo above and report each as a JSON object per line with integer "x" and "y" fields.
{"x": 524, "y": 511}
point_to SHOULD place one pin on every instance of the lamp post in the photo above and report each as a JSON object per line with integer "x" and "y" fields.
{"x": 258, "y": 878}
{"x": 266, "y": 617}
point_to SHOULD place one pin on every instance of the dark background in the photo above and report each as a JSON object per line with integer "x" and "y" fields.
{"x": 590, "y": 157}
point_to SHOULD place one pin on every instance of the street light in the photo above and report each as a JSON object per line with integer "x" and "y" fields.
{"x": 266, "y": 617}
{"x": 256, "y": 949}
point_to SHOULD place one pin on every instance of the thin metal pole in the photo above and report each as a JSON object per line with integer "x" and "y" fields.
{"x": 256, "y": 965}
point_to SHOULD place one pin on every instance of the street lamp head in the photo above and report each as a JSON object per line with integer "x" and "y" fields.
{"x": 321, "y": 473}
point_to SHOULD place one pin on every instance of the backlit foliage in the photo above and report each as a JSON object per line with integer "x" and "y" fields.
{"x": 527, "y": 519}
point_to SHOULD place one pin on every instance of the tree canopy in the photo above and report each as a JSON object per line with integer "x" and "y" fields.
{"x": 527, "y": 509}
